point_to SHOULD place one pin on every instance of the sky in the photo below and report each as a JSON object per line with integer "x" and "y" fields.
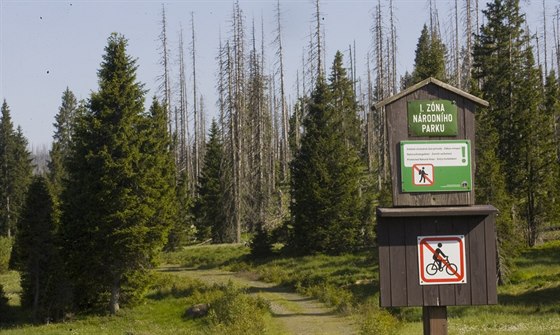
{"x": 47, "y": 46}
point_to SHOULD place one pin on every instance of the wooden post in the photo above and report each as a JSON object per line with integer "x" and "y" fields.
{"x": 435, "y": 320}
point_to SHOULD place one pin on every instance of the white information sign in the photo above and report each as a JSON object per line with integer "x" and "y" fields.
{"x": 436, "y": 154}
{"x": 442, "y": 260}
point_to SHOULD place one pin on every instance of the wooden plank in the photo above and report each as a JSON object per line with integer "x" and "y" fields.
{"x": 477, "y": 210}
{"x": 383, "y": 261}
{"x": 477, "y": 271}
{"x": 434, "y": 320}
{"x": 463, "y": 291}
{"x": 398, "y": 263}
{"x": 413, "y": 227}
{"x": 491, "y": 271}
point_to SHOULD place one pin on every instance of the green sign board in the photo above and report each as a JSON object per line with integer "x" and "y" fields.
{"x": 432, "y": 118}
{"x": 436, "y": 166}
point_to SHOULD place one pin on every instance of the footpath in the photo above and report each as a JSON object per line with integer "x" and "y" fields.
{"x": 298, "y": 315}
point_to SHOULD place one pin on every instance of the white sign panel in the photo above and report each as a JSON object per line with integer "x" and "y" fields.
{"x": 442, "y": 259}
{"x": 437, "y": 154}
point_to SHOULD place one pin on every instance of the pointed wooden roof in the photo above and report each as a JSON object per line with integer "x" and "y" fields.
{"x": 478, "y": 101}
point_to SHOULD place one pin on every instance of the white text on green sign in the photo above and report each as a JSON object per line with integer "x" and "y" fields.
{"x": 432, "y": 118}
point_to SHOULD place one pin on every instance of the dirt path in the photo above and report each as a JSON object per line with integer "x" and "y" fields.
{"x": 299, "y": 315}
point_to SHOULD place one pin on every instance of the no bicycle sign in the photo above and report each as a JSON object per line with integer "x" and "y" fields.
{"x": 441, "y": 260}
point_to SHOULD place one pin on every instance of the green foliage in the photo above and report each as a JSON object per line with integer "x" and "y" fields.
{"x": 237, "y": 313}
{"x": 551, "y": 109}
{"x": 207, "y": 256}
{"x": 430, "y": 58}
{"x": 209, "y": 208}
{"x": 182, "y": 230}
{"x": 64, "y": 126}
{"x": 327, "y": 206}
{"x": 261, "y": 243}
{"x": 36, "y": 255}
{"x": 119, "y": 201}
{"x": 375, "y": 320}
{"x": 15, "y": 172}
{"x": 5, "y": 252}
{"x": 3, "y": 302}
{"x": 522, "y": 131}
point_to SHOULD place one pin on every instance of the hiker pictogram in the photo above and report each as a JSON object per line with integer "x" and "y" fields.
{"x": 441, "y": 259}
{"x": 423, "y": 174}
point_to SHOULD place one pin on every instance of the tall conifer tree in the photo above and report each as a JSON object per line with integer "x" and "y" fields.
{"x": 36, "y": 255}
{"x": 62, "y": 139}
{"x": 209, "y": 209}
{"x": 118, "y": 202}
{"x": 430, "y": 57}
{"x": 326, "y": 205}
{"x": 15, "y": 172}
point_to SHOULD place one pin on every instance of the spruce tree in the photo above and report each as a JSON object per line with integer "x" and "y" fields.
{"x": 210, "y": 220}
{"x": 551, "y": 106}
{"x": 119, "y": 199}
{"x": 326, "y": 205}
{"x": 35, "y": 253}
{"x": 181, "y": 232}
{"x": 430, "y": 58}
{"x": 15, "y": 172}
{"x": 64, "y": 122}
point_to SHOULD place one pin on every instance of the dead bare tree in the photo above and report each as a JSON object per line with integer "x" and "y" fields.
{"x": 184, "y": 161}
{"x": 285, "y": 154}
{"x": 196, "y": 118}
{"x": 164, "y": 78}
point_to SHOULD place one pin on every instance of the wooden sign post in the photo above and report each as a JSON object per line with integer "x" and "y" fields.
{"x": 436, "y": 248}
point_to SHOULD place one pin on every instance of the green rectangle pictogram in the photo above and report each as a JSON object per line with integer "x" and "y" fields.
{"x": 436, "y": 166}
{"x": 432, "y": 118}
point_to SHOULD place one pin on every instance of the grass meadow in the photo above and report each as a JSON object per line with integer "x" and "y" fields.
{"x": 528, "y": 305}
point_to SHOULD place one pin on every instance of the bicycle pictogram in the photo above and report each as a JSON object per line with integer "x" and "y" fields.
{"x": 433, "y": 268}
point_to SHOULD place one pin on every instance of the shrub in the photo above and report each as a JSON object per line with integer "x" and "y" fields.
{"x": 236, "y": 313}
{"x": 374, "y": 320}
{"x": 5, "y": 252}
{"x": 334, "y": 296}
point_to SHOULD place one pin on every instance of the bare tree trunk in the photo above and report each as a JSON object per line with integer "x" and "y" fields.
{"x": 457, "y": 49}
{"x": 393, "y": 89}
{"x": 185, "y": 159}
{"x": 469, "y": 60}
{"x": 318, "y": 38}
{"x": 556, "y": 35}
{"x": 165, "y": 85}
{"x": 545, "y": 41}
{"x": 115, "y": 295}
{"x": 196, "y": 144}
{"x": 285, "y": 148}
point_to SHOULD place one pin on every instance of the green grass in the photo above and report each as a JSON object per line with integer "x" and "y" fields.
{"x": 162, "y": 313}
{"x": 207, "y": 256}
{"x": 529, "y": 304}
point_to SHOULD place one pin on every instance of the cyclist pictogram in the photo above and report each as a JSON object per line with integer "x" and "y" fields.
{"x": 441, "y": 259}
